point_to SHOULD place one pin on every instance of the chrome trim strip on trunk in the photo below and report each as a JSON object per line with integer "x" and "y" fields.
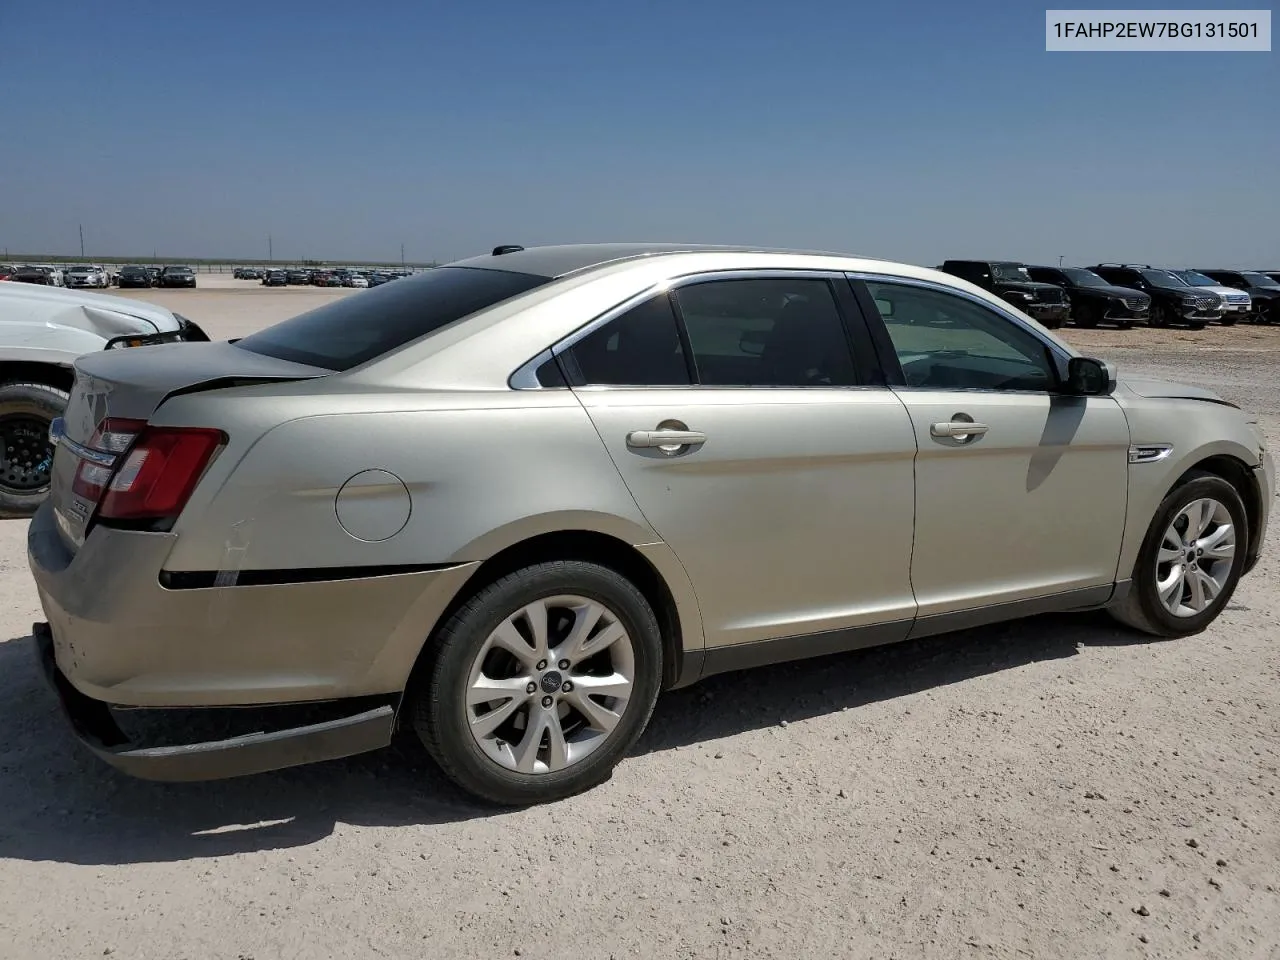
{"x": 58, "y": 437}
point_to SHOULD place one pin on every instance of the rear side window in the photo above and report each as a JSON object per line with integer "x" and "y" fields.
{"x": 365, "y": 325}
{"x": 641, "y": 348}
{"x": 766, "y": 332}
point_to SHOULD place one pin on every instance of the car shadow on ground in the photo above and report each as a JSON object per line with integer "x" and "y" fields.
{"x": 61, "y": 804}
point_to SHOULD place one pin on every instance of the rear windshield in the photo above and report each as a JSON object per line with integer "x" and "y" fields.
{"x": 351, "y": 331}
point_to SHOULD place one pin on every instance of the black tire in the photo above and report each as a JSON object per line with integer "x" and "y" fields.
{"x": 26, "y": 411}
{"x": 1228, "y": 320}
{"x": 1195, "y": 325}
{"x": 1087, "y": 316}
{"x": 437, "y": 708}
{"x": 1141, "y": 608}
{"x": 1124, "y": 324}
{"x": 1159, "y": 316}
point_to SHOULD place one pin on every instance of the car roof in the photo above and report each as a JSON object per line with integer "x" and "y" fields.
{"x": 560, "y": 260}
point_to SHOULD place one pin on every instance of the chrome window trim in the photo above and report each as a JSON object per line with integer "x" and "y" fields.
{"x": 526, "y": 375}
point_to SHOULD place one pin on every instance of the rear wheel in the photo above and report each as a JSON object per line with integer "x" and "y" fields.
{"x": 1087, "y": 316}
{"x": 26, "y": 456}
{"x": 541, "y": 683}
{"x": 1190, "y": 561}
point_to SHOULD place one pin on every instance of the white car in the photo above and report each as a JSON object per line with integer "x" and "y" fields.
{"x": 87, "y": 275}
{"x": 42, "y": 332}
{"x": 1239, "y": 303}
{"x": 357, "y": 281}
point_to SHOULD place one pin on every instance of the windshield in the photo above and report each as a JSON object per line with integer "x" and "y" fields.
{"x": 1163, "y": 278}
{"x": 1011, "y": 271}
{"x": 178, "y": 269}
{"x": 346, "y": 333}
{"x": 133, "y": 271}
{"x": 1197, "y": 279}
{"x": 1084, "y": 278}
{"x": 1260, "y": 280}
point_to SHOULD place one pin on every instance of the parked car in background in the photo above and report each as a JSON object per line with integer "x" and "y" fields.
{"x": 1093, "y": 299}
{"x": 87, "y": 275}
{"x": 1263, "y": 290}
{"x": 275, "y": 278}
{"x": 33, "y": 273}
{"x": 524, "y": 631}
{"x": 134, "y": 276}
{"x": 356, "y": 280}
{"x": 1239, "y": 303}
{"x": 7, "y": 270}
{"x": 177, "y": 277}
{"x": 42, "y": 332}
{"x": 153, "y": 273}
{"x": 1174, "y": 302}
{"x": 1044, "y": 302}
{"x": 299, "y": 277}
{"x": 377, "y": 278}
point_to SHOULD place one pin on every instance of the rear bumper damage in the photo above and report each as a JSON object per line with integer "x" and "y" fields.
{"x": 95, "y": 726}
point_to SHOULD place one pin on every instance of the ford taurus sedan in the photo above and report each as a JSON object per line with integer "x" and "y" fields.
{"x": 506, "y": 502}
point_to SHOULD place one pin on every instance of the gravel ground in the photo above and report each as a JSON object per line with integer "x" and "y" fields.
{"x": 1051, "y": 788}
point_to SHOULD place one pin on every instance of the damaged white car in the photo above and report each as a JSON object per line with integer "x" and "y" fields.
{"x": 42, "y": 332}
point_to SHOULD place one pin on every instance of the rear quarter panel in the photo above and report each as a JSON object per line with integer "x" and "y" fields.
{"x": 482, "y": 472}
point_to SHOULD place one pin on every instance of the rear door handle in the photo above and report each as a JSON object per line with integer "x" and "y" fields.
{"x": 664, "y": 439}
{"x": 958, "y": 429}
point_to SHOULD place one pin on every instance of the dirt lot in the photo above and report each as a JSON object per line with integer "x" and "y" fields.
{"x": 1053, "y": 788}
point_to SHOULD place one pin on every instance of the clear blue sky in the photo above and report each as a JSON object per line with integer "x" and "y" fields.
{"x": 913, "y": 131}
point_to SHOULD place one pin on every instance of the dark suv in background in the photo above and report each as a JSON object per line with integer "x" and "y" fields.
{"x": 1009, "y": 280}
{"x": 1093, "y": 299}
{"x": 1173, "y": 300}
{"x": 134, "y": 276}
{"x": 1264, "y": 289}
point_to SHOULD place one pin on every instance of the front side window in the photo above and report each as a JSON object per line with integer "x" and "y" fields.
{"x": 947, "y": 342}
{"x": 766, "y": 332}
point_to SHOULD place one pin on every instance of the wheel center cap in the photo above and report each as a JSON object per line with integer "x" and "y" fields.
{"x": 550, "y": 682}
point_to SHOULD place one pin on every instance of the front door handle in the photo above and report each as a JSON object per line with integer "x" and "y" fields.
{"x": 958, "y": 429}
{"x": 668, "y": 441}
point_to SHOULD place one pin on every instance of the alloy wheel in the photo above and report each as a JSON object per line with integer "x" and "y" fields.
{"x": 550, "y": 684}
{"x": 1195, "y": 558}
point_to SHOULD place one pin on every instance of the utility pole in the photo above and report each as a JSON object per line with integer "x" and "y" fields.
{"x": 270, "y": 253}
{"x": 82, "y": 241}
{"x": 1059, "y": 259}
{"x": 402, "y": 256}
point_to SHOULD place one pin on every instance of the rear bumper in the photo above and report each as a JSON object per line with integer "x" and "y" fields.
{"x": 121, "y": 637}
{"x": 95, "y": 727}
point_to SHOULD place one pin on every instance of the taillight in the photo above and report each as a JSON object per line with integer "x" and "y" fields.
{"x": 155, "y": 470}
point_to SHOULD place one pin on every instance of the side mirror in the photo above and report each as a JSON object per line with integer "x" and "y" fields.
{"x": 1087, "y": 377}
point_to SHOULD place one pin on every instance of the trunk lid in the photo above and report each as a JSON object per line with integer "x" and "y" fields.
{"x": 131, "y": 385}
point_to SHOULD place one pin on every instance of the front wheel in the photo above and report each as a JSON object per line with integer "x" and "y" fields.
{"x": 541, "y": 683}
{"x": 26, "y": 457}
{"x": 1190, "y": 561}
